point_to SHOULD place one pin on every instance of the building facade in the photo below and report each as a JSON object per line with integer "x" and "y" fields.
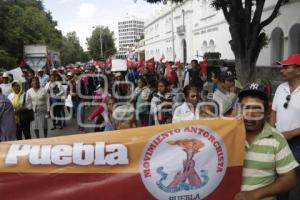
{"x": 199, "y": 28}
{"x": 130, "y": 29}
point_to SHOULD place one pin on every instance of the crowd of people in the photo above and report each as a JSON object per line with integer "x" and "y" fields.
{"x": 166, "y": 94}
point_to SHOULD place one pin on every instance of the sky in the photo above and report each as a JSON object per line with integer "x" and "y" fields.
{"x": 82, "y": 15}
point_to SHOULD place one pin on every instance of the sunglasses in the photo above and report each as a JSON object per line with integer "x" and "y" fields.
{"x": 288, "y": 99}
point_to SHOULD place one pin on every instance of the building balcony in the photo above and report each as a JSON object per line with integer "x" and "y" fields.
{"x": 181, "y": 30}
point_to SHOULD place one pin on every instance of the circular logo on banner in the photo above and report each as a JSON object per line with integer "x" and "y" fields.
{"x": 183, "y": 163}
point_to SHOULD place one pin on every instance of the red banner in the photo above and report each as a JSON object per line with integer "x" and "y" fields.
{"x": 189, "y": 160}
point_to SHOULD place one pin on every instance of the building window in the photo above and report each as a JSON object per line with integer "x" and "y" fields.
{"x": 212, "y": 46}
{"x": 204, "y": 47}
{"x": 295, "y": 39}
{"x": 276, "y": 45}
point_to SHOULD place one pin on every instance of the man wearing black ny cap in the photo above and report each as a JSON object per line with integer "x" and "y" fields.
{"x": 269, "y": 163}
{"x": 223, "y": 94}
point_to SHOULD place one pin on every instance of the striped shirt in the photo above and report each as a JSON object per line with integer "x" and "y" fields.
{"x": 266, "y": 157}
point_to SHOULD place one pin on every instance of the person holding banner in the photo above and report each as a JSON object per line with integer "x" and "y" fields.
{"x": 188, "y": 110}
{"x": 269, "y": 163}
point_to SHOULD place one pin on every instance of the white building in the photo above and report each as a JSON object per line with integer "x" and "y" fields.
{"x": 129, "y": 29}
{"x": 199, "y": 28}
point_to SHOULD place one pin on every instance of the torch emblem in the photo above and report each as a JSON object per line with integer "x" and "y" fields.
{"x": 188, "y": 178}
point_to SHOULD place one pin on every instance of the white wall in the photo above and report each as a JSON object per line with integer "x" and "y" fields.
{"x": 203, "y": 23}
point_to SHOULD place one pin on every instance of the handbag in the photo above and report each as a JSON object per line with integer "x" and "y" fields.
{"x": 26, "y": 115}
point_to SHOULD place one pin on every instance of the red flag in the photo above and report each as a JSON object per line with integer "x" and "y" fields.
{"x": 109, "y": 61}
{"x": 141, "y": 66}
{"x": 203, "y": 66}
{"x": 171, "y": 74}
{"x": 151, "y": 64}
{"x": 178, "y": 65}
{"x": 130, "y": 64}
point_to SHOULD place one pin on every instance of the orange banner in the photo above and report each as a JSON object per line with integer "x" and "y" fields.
{"x": 198, "y": 160}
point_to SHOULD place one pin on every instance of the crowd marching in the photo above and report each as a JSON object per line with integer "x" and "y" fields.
{"x": 166, "y": 93}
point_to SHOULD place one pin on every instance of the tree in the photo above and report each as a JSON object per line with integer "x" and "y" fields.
{"x": 246, "y": 27}
{"x": 106, "y": 37}
{"x": 25, "y": 22}
{"x": 71, "y": 51}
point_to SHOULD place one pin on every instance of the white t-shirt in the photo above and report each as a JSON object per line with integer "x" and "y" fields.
{"x": 286, "y": 119}
{"x": 6, "y": 89}
{"x": 183, "y": 113}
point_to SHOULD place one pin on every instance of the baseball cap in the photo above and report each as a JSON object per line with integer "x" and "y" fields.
{"x": 254, "y": 89}
{"x": 40, "y": 70}
{"x": 69, "y": 74}
{"x": 293, "y": 59}
{"x": 5, "y": 75}
{"x": 227, "y": 75}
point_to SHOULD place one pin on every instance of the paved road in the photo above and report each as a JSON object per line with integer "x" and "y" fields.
{"x": 71, "y": 128}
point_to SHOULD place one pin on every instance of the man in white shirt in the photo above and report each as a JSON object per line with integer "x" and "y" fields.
{"x": 285, "y": 114}
{"x": 5, "y": 86}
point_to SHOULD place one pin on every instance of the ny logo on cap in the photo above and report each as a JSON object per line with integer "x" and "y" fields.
{"x": 254, "y": 86}
{"x": 229, "y": 73}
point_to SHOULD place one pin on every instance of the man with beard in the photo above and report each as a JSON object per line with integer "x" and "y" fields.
{"x": 269, "y": 163}
{"x": 285, "y": 114}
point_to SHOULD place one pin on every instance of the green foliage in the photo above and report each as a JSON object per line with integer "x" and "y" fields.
{"x": 25, "y": 22}
{"x": 162, "y": 1}
{"x": 71, "y": 51}
{"x": 7, "y": 62}
{"x": 108, "y": 43}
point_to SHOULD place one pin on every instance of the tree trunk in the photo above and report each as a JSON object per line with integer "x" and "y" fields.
{"x": 245, "y": 68}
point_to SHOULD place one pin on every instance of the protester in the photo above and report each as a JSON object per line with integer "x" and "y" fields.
{"x": 285, "y": 114}
{"x": 43, "y": 78}
{"x": 215, "y": 78}
{"x": 39, "y": 99}
{"x": 188, "y": 110}
{"x": 224, "y": 94}
{"x": 7, "y": 119}
{"x": 162, "y": 103}
{"x": 269, "y": 163}
{"x": 19, "y": 100}
{"x": 121, "y": 91}
{"x": 28, "y": 75}
{"x": 6, "y": 85}
{"x": 193, "y": 76}
{"x": 55, "y": 92}
{"x": 141, "y": 97}
{"x": 72, "y": 91}
{"x": 108, "y": 115}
